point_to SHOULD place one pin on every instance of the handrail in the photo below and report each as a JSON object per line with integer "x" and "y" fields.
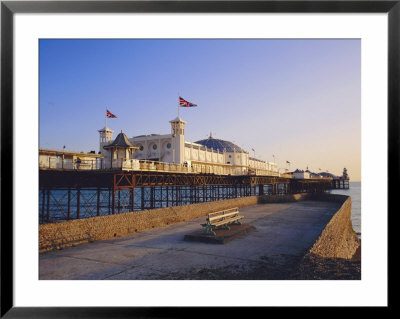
{"x": 149, "y": 165}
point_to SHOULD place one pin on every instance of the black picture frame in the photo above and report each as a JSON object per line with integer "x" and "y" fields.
{"x": 9, "y": 8}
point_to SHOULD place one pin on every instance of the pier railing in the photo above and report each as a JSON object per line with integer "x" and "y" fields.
{"x": 146, "y": 165}
{"x": 59, "y": 163}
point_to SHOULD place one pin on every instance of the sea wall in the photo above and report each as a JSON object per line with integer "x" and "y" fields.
{"x": 71, "y": 233}
{"x": 338, "y": 239}
{"x": 265, "y": 199}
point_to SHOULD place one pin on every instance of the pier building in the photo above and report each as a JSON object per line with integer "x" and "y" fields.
{"x": 154, "y": 171}
{"x": 300, "y": 174}
{"x": 209, "y": 155}
{"x": 57, "y": 159}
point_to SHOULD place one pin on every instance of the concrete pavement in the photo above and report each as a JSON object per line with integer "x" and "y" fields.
{"x": 284, "y": 233}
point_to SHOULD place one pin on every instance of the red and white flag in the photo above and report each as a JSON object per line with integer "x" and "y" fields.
{"x": 185, "y": 103}
{"x": 110, "y": 115}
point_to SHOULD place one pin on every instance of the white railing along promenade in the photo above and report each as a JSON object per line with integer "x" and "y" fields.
{"x": 146, "y": 165}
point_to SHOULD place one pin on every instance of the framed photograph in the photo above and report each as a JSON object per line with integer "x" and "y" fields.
{"x": 268, "y": 102}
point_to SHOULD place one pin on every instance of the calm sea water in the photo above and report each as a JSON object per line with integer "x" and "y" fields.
{"x": 355, "y": 193}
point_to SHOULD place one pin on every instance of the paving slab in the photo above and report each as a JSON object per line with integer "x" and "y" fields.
{"x": 283, "y": 233}
{"x": 221, "y": 236}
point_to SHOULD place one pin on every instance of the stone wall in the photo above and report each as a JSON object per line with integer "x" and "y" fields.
{"x": 265, "y": 199}
{"x": 338, "y": 239}
{"x": 70, "y": 233}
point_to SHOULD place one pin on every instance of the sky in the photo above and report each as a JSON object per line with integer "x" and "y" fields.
{"x": 290, "y": 100}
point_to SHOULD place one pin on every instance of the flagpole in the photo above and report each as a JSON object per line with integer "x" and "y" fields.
{"x": 178, "y": 105}
{"x": 106, "y": 119}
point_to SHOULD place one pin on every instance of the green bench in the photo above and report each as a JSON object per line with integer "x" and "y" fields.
{"x": 221, "y": 220}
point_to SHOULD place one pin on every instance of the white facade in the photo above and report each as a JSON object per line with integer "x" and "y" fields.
{"x": 173, "y": 149}
{"x": 154, "y": 147}
{"x": 299, "y": 174}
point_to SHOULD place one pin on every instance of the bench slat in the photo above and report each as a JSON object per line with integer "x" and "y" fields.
{"x": 222, "y": 216}
{"x": 222, "y": 211}
{"x": 227, "y": 221}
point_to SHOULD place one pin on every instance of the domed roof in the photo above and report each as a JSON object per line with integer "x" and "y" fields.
{"x": 220, "y": 145}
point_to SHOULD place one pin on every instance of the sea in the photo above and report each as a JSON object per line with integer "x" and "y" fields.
{"x": 355, "y": 193}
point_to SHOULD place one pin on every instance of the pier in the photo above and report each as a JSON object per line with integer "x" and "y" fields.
{"x": 66, "y": 194}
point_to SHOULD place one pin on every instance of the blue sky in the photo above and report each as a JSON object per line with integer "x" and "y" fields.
{"x": 299, "y": 100}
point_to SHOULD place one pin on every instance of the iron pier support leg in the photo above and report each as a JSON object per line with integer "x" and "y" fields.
{"x": 151, "y": 197}
{"x": 48, "y": 205}
{"x": 78, "y": 203}
{"x": 43, "y": 204}
{"x": 119, "y": 201}
{"x": 260, "y": 190}
{"x": 98, "y": 201}
{"x": 142, "y": 198}
{"x": 109, "y": 201}
{"x": 69, "y": 204}
{"x": 113, "y": 201}
{"x": 133, "y": 199}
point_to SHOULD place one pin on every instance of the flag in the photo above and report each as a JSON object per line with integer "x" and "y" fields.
{"x": 110, "y": 115}
{"x": 184, "y": 103}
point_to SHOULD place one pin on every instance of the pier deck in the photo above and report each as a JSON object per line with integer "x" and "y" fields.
{"x": 284, "y": 232}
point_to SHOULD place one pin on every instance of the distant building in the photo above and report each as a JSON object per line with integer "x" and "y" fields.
{"x": 49, "y": 158}
{"x": 328, "y": 175}
{"x": 300, "y": 174}
{"x": 345, "y": 175}
{"x": 313, "y": 175}
{"x": 287, "y": 174}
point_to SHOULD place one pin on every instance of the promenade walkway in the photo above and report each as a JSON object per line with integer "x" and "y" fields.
{"x": 284, "y": 233}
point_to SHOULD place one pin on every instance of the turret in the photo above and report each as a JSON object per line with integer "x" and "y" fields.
{"x": 345, "y": 176}
{"x": 105, "y": 137}
{"x": 178, "y": 140}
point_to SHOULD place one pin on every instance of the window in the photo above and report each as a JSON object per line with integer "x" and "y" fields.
{"x": 169, "y": 145}
{"x": 154, "y": 146}
{"x": 141, "y": 147}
